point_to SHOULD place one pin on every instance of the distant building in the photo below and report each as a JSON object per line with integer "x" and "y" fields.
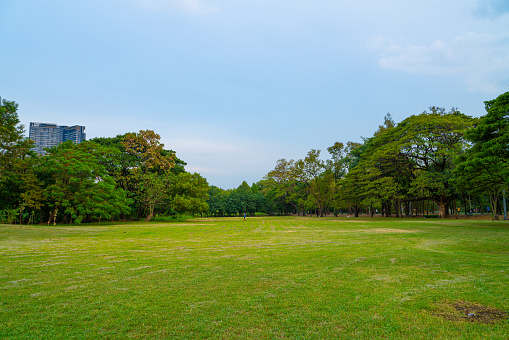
{"x": 47, "y": 135}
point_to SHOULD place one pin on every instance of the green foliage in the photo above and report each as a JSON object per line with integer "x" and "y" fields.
{"x": 78, "y": 183}
{"x": 484, "y": 168}
{"x": 101, "y": 179}
{"x": 189, "y": 193}
{"x": 243, "y": 199}
{"x": 152, "y": 191}
{"x": 14, "y": 148}
{"x": 436, "y": 156}
{"x": 149, "y": 152}
{"x": 143, "y": 168}
{"x": 416, "y": 156}
{"x": 13, "y": 145}
{"x": 319, "y": 180}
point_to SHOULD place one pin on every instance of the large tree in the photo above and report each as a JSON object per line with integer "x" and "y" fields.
{"x": 412, "y": 161}
{"x": 281, "y": 185}
{"x": 14, "y": 148}
{"x": 484, "y": 168}
{"x": 13, "y": 144}
{"x": 189, "y": 193}
{"x": 318, "y": 179}
{"x": 78, "y": 185}
{"x": 142, "y": 167}
{"x": 421, "y": 149}
{"x": 149, "y": 151}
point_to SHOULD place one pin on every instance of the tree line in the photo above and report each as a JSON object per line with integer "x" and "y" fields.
{"x": 126, "y": 177}
{"x": 436, "y": 161}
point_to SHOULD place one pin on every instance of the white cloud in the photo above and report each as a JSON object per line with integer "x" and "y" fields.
{"x": 190, "y": 6}
{"x": 437, "y": 58}
{"x": 481, "y": 61}
{"x": 195, "y": 6}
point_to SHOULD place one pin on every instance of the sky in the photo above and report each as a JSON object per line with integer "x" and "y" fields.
{"x": 234, "y": 85}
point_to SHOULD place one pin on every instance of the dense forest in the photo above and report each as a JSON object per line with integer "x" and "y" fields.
{"x": 436, "y": 163}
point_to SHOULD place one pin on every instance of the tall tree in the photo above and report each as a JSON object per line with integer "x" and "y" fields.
{"x": 14, "y": 148}
{"x": 147, "y": 148}
{"x": 319, "y": 180}
{"x": 78, "y": 184}
{"x": 13, "y": 144}
{"x": 484, "y": 168}
{"x": 189, "y": 193}
{"x": 282, "y": 186}
{"x": 153, "y": 191}
{"x": 419, "y": 154}
{"x": 150, "y": 157}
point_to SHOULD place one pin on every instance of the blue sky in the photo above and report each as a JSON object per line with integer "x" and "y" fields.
{"x": 233, "y": 86}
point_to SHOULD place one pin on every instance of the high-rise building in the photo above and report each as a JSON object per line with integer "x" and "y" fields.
{"x": 47, "y": 135}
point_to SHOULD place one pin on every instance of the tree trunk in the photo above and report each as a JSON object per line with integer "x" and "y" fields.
{"x": 493, "y": 203}
{"x": 442, "y": 209}
{"x": 53, "y": 216}
{"x": 149, "y": 217}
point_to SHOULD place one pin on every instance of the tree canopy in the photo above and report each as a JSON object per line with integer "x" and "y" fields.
{"x": 484, "y": 167}
{"x": 429, "y": 162}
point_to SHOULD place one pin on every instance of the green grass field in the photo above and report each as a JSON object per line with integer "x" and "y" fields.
{"x": 264, "y": 278}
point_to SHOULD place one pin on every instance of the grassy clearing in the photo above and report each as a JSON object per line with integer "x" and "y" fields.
{"x": 268, "y": 278}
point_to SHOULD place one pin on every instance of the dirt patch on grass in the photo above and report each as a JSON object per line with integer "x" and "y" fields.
{"x": 464, "y": 311}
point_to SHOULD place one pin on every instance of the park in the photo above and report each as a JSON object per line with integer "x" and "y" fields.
{"x": 262, "y": 277}
{"x": 210, "y": 169}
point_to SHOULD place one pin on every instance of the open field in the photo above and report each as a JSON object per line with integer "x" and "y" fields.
{"x": 266, "y": 278}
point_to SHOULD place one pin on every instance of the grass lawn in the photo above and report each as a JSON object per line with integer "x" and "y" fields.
{"x": 263, "y": 278}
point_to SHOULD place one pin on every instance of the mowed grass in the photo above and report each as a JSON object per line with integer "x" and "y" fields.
{"x": 263, "y": 278}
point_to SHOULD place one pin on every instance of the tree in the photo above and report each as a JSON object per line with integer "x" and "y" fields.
{"x": 33, "y": 192}
{"x": 282, "y": 186}
{"x": 78, "y": 185}
{"x": 128, "y": 166}
{"x": 318, "y": 179}
{"x": 189, "y": 193}
{"x": 412, "y": 161}
{"x": 149, "y": 151}
{"x": 484, "y": 168}
{"x": 419, "y": 153}
{"x": 337, "y": 164}
{"x": 217, "y": 201}
{"x": 153, "y": 191}
{"x": 14, "y": 149}
{"x": 387, "y": 125}
{"x": 13, "y": 145}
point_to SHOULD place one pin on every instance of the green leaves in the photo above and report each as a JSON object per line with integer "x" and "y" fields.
{"x": 14, "y": 148}
{"x": 416, "y": 156}
{"x": 484, "y": 168}
{"x": 78, "y": 183}
{"x": 150, "y": 153}
{"x": 12, "y": 142}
